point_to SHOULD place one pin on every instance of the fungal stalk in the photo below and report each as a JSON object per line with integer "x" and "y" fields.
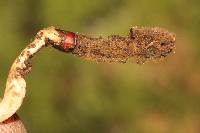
{"x": 144, "y": 44}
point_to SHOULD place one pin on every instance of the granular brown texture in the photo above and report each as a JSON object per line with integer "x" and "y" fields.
{"x": 142, "y": 43}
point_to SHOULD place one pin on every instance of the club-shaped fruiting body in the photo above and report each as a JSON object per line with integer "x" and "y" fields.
{"x": 147, "y": 43}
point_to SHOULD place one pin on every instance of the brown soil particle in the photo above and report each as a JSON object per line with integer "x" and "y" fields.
{"x": 142, "y": 43}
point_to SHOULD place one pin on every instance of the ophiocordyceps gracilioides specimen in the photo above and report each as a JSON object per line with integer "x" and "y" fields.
{"x": 143, "y": 44}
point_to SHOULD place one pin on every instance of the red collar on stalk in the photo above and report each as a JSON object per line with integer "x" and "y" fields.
{"x": 68, "y": 42}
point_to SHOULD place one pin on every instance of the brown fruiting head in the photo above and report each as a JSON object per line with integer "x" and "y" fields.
{"x": 142, "y": 43}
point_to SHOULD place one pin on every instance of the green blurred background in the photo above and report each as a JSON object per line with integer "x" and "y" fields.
{"x": 68, "y": 95}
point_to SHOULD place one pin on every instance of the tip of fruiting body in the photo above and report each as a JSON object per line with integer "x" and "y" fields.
{"x": 152, "y": 43}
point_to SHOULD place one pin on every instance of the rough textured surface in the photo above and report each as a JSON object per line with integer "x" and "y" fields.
{"x": 142, "y": 43}
{"x": 152, "y": 43}
{"x": 112, "y": 49}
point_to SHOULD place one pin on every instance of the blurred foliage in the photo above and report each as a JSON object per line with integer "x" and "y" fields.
{"x": 67, "y": 94}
